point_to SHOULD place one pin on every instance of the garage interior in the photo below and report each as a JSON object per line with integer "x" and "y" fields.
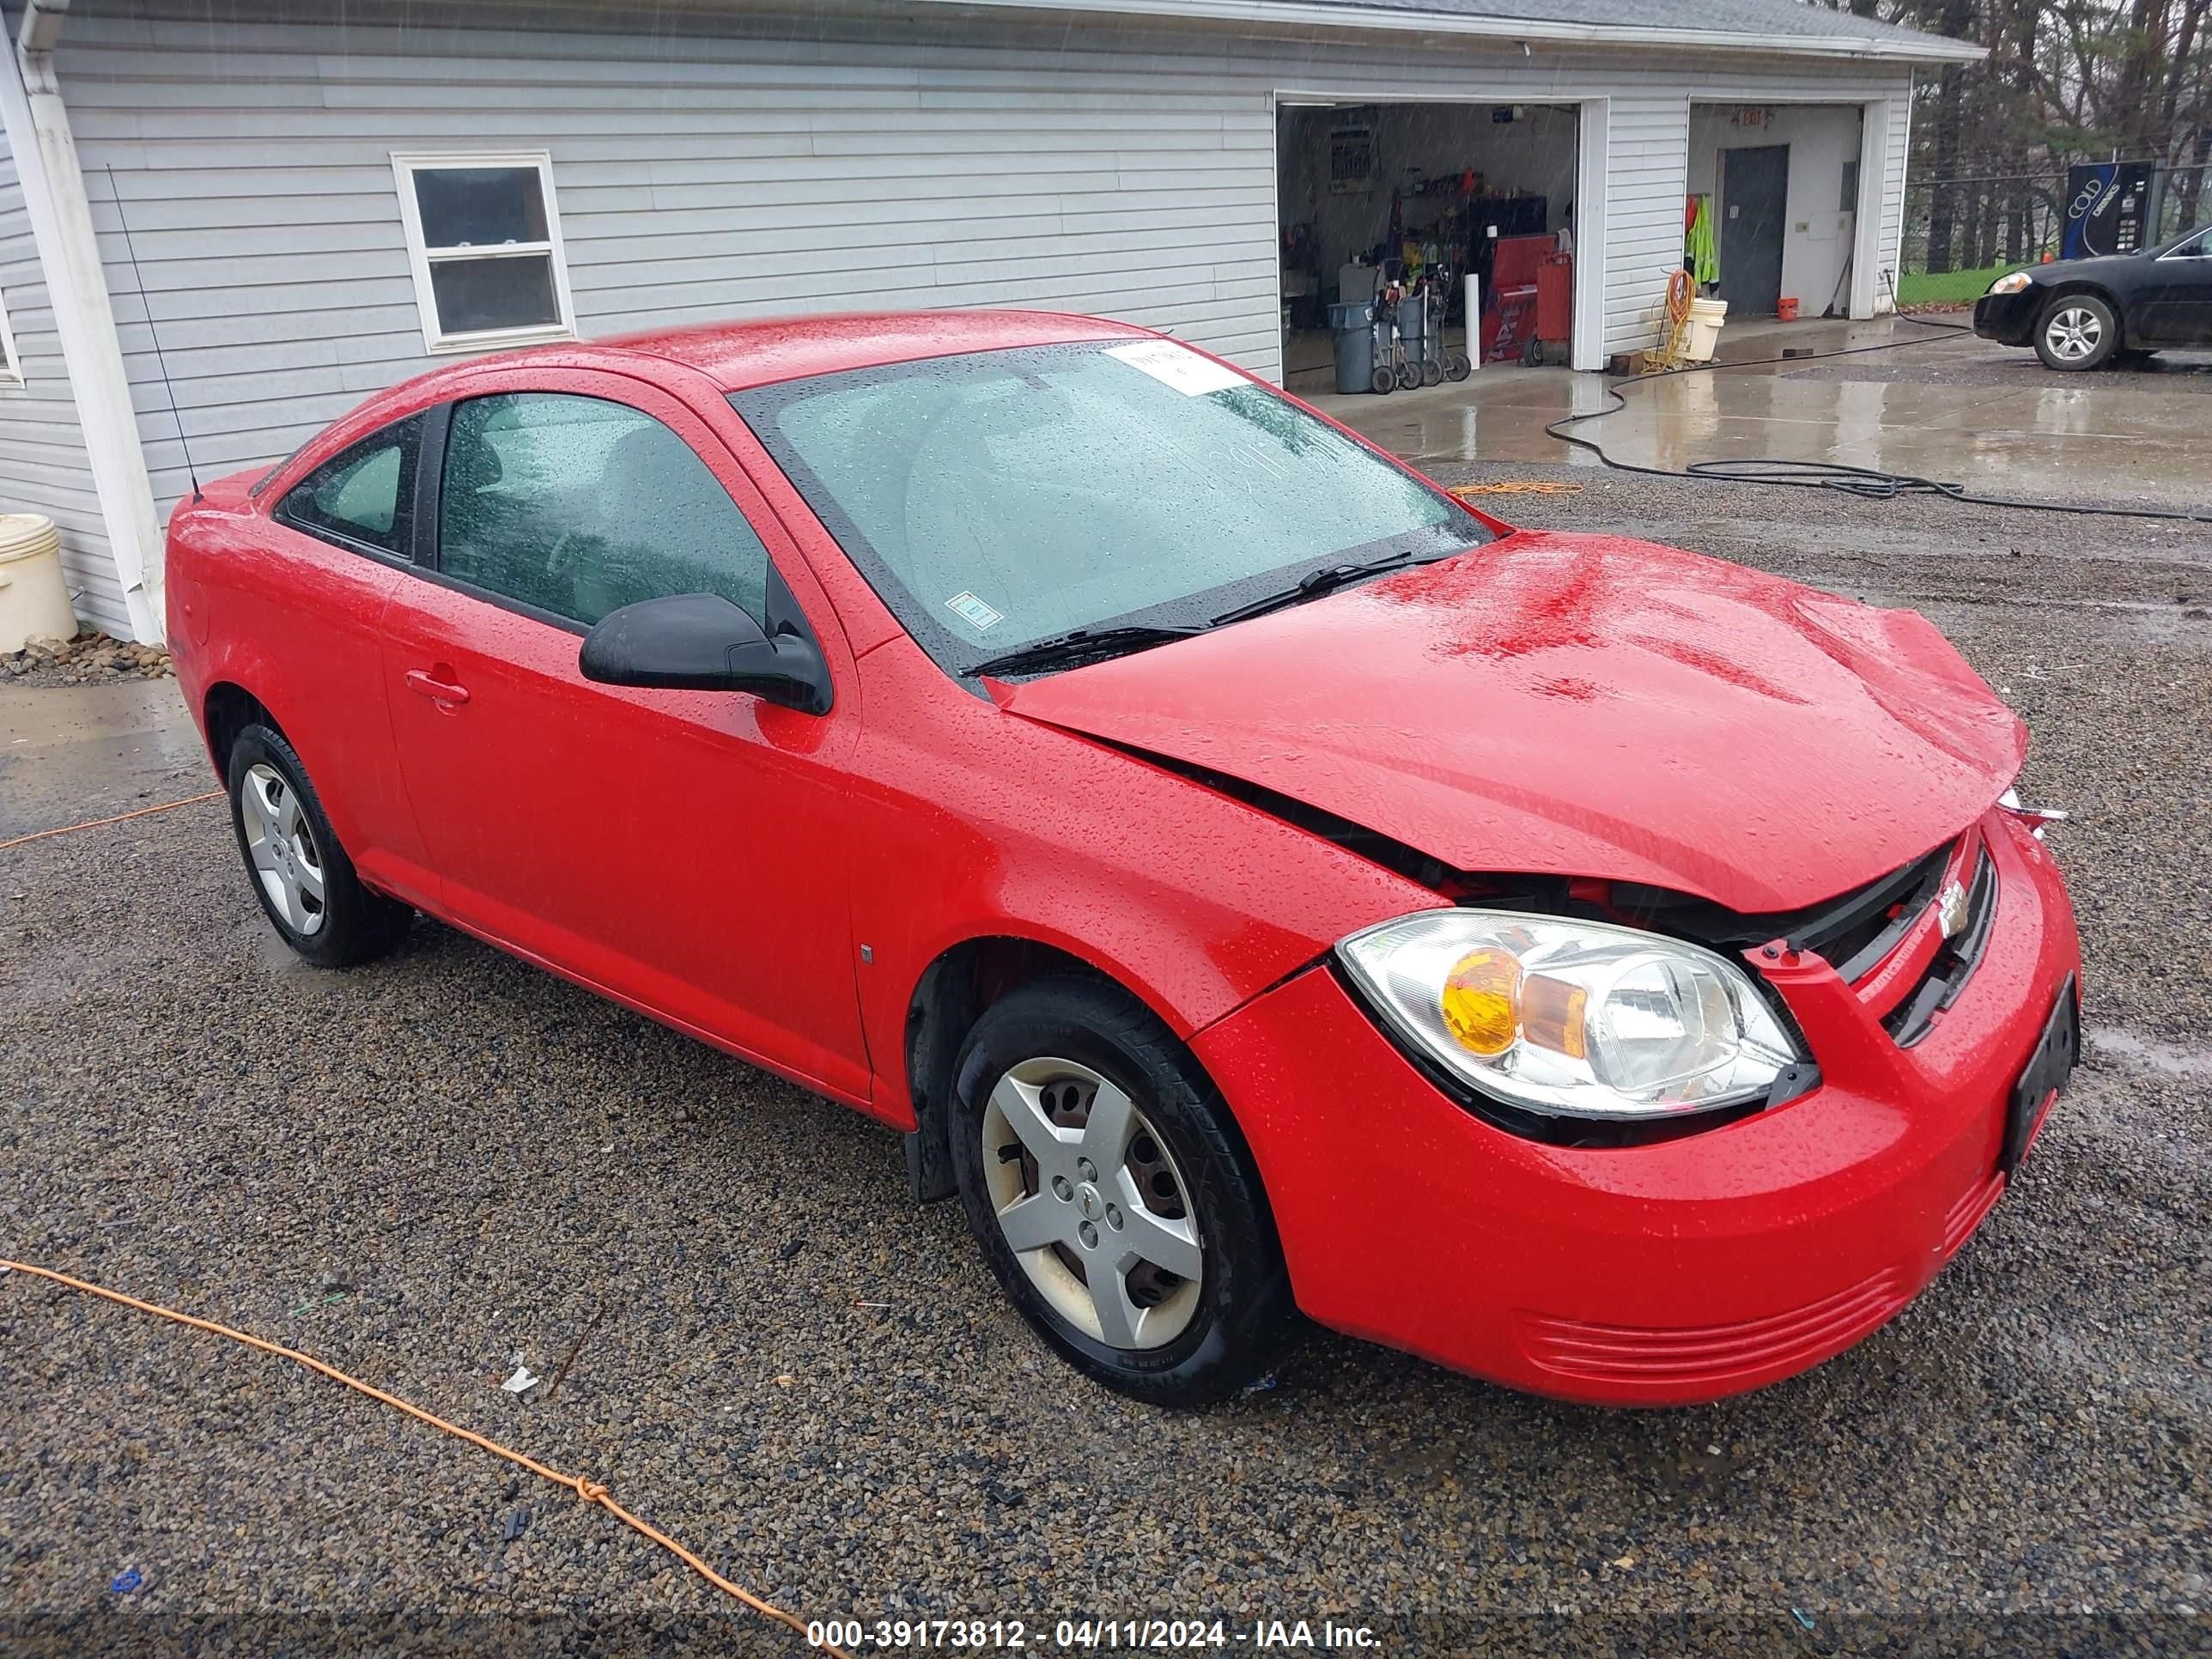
{"x": 1778, "y": 185}
{"x": 1429, "y": 195}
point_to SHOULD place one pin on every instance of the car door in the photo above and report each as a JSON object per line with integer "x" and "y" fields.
{"x": 683, "y": 850}
{"x": 2176, "y": 304}
{"x": 338, "y": 540}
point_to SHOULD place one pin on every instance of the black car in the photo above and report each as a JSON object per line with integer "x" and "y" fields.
{"x": 2080, "y": 313}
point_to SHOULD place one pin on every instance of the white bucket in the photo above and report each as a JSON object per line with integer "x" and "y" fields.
{"x": 1703, "y": 337}
{"x": 34, "y": 601}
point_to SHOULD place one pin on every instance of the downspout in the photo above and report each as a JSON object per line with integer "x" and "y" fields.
{"x": 52, "y": 179}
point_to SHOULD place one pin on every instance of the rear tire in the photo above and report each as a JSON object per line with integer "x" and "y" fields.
{"x": 1113, "y": 1198}
{"x": 294, "y": 863}
{"x": 2076, "y": 331}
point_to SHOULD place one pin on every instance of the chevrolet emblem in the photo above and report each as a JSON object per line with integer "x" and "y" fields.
{"x": 1951, "y": 909}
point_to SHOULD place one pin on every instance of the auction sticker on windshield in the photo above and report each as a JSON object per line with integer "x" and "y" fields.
{"x": 973, "y": 612}
{"x": 1178, "y": 366}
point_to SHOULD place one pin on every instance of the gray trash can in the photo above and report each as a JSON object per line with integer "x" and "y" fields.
{"x": 1352, "y": 329}
{"x": 1413, "y": 323}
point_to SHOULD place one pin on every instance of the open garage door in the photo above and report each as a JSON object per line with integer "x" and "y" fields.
{"x": 1468, "y": 209}
{"x": 1780, "y": 186}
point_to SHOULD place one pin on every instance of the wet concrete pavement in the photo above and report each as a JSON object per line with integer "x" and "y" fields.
{"x": 69, "y": 753}
{"x": 1933, "y": 404}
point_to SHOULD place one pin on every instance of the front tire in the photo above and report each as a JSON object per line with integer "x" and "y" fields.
{"x": 298, "y": 872}
{"x": 1112, "y": 1197}
{"x": 2077, "y": 332}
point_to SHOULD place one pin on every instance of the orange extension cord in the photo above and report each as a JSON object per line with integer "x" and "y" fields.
{"x": 94, "y": 824}
{"x": 590, "y": 1490}
{"x": 1513, "y": 487}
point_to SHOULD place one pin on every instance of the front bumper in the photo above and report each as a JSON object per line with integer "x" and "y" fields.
{"x": 2008, "y": 319}
{"x": 1662, "y": 1274}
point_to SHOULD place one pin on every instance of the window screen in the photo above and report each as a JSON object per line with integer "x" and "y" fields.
{"x": 479, "y": 207}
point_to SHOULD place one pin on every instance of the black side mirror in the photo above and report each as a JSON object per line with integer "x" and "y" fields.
{"x": 703, "y": 642}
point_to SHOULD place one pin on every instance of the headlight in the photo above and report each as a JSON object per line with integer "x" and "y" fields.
{"x": 1573, "y": 1019}
{"x": 2011, "y": 283}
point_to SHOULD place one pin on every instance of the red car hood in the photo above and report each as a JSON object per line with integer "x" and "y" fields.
{"x": 1584, "y": 706}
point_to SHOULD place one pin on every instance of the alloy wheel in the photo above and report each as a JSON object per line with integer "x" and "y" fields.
{"x": 282, "y": 846}
{"x": 2074, "y": 332}
{"x": 1092, "y": 1204}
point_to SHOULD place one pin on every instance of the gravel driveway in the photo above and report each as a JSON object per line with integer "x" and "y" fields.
{"x": 424, "y": 1169}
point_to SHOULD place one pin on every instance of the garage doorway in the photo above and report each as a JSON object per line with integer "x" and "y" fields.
{"x": 1461, "y": 200}
{"x": 1779, "y": 191}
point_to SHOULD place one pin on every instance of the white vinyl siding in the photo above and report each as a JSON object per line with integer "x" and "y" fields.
{"x": 1892, "y": 193}
{"x": 43, "y": 466}
{"x": 1648, "y": 174}
{"x": 721, "y": 164}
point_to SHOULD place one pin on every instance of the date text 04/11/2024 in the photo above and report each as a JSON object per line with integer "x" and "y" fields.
{"x": 1092, "y": 1635}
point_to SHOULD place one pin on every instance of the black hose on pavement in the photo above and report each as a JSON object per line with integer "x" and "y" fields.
{"x": 1869, "y": 483}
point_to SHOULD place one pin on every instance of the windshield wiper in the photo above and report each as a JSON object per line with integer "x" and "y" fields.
{"x": 1327, "y": 579}
{"x": 1083, "y": 644}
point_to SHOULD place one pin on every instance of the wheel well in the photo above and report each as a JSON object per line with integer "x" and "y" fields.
{"x": 230, "y": 709}
{"x": 2065, "y": 290}
{"x": 952, "y": 995}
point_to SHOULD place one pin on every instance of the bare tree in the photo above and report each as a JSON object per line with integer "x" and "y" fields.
{"x": 2065, "y": 81}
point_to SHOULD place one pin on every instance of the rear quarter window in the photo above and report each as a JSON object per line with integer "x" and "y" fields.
{"x": 361, "y": 498}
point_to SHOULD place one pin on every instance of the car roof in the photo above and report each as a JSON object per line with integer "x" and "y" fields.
{"x": 734, "y": 356}
{"x": 737, "y": 356}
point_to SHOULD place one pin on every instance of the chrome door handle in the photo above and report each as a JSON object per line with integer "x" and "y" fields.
{"x": 430, "y": 685}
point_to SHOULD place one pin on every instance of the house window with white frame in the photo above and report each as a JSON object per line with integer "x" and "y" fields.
{"x": 11, "y": 366}
{"x": 483, "y": 238}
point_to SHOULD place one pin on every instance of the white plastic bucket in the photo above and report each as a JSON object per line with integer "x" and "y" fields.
{"x": 34, "y": 601}
{"x": 1703, "y": 337}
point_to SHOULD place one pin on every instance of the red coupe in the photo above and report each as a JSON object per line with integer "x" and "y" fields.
{"x": 1253, "y": 880}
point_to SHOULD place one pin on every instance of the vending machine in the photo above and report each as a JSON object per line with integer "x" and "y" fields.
{"x": 2109, "y": 208}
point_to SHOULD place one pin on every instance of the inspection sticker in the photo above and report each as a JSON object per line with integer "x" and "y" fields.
{"x": 973, "y": 612}
{"x": 1178, "y": 366}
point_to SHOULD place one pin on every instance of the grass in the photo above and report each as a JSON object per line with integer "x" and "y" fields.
{"x": 1921, "y": 287}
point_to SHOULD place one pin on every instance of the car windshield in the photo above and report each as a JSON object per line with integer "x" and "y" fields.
{"x": 1003, "y": 497}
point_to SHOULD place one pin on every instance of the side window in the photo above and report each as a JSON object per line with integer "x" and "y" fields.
{"x": 11, "y": 366}
{"x": 362, "y": 495}
{"x": 578, "y": 507}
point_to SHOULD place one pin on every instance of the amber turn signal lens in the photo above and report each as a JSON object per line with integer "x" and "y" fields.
{"x": 1551, "y": 1015}
{"x": 1480, "y": 1001}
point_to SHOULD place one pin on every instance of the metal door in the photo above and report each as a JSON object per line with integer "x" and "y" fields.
{"x": 1754, "y": 206}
